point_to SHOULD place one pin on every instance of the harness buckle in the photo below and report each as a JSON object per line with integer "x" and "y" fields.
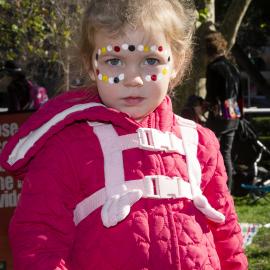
{"x": 161, "y": 186}
{"x": 157, "y": 140}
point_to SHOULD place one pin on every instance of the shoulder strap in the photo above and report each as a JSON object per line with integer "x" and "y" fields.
{"x": 190, "y": 140}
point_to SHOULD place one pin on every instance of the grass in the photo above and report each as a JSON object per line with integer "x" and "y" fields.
{"x": 258, "y": 252}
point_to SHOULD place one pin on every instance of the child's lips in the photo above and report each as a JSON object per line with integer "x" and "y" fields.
{"x": 133, "y": 100}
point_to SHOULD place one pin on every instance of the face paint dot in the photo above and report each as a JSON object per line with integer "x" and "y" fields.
{"x": 111, "y": 80}
{"x": 140, "y": 48}
{"x": 131, "y": 48}
{"x": 109, "y": 48}
{"x": 116, "y": 80}
{"x": 97, "y": 72}
{"x": 164, "y": 71}
{"x": 100, "y": 76}
{"x": 169, "y": 58}
{"x": 160, "y": 48}
{"x": 99, "y": 51}
{"x": 116, "y": 48}
{"x": 103, "y": 50}
{"x": 125, "y": 46}
{"x": 159, "y": 77}
{"x": 153, "y": 48}
{"x": 121, "y": 77}
{"x": 146, "y": 48}
{"x": 104, "y": 78}
{"x": 148, "y": 78}
{"x": 154, "y": 77}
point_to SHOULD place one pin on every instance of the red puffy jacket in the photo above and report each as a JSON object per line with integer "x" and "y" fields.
{"x": 65, "y": 165}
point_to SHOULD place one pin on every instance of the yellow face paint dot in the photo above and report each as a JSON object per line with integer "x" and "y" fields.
{"x": 105, "y": 78}
{"x": 146, "y": 48}
{"x": 103, "y": 50}
{"x": 164, "y": 71}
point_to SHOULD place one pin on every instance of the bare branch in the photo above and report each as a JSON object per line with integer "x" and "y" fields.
{"x": 233, "y": 20}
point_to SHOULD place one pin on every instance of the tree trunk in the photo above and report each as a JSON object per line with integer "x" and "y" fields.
{"x": 210, "y": 6}
{"x": 229, "y": 28}
{"x": 195, "y": 84}
{"x": 233, "y": 20}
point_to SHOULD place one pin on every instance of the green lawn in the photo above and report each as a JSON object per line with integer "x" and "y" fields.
{"x": 259, "y": 251}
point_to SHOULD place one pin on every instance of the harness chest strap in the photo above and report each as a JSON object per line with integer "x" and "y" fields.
{"x": 152, "y": 186}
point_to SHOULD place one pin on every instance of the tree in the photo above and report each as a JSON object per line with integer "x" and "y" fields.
{"x": 229, "y": 27}
{"x": 233, "y": 19}
{"x": 37, "y": 33}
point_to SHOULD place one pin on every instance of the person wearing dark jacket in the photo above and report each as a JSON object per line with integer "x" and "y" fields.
{"x": 224, "y": 97}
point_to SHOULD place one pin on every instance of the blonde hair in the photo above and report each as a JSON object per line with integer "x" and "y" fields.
{"x": 175, "y": 18}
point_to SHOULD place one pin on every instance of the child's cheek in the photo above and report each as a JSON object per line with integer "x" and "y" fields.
{"x": 157, "y": 74}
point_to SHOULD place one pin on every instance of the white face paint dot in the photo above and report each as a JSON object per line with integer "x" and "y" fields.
{"x": 153, "y": 48}
{"x": 99, "y": 51}
{"x": 100, "y": 77}
{"x": 111, "y": 80}
{"x": 140, "y": 48}
{"x": 148, "y": 78}
{"x": 109, "y": 48}
{"x": 159, "y": 77}
{"x": 121, "y": 77}
{"x": 125, "y": 46}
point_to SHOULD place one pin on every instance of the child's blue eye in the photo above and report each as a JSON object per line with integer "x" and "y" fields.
{"x": 113, "y": 62}
{"x": 151, "y": 61}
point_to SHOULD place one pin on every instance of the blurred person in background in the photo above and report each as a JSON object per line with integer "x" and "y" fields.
{"x": 224, "y": 97}
{"x": 21, "y": 93}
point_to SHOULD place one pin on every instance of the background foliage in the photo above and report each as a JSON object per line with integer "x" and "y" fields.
{"x": 37, "y": 33}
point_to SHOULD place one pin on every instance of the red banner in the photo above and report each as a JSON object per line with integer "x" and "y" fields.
{"x": 10, "y": 188}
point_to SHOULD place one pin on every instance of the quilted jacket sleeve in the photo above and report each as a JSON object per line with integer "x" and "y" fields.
{"x": 42, "y": 229}
{"x": 227, "y": 236}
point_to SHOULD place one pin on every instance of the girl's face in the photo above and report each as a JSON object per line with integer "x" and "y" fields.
{"x": 132, "y": 72}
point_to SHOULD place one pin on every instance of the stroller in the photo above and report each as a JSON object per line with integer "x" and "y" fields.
{"x": 247, "y": 154}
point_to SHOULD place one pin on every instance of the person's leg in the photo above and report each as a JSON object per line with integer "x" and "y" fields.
{"x": 226, "y": 142}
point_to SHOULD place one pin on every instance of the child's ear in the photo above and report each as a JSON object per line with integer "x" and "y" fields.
{"x": 173, "y": 74}
{"x": 89, "y": 67}
{"x": 177, "y": 65}
{"x": 92, "y": 75}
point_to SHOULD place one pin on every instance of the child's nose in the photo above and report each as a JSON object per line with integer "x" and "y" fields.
{"x": 133, "y": 78}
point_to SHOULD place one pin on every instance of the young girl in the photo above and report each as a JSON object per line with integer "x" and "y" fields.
{"x": 112, "y": 178}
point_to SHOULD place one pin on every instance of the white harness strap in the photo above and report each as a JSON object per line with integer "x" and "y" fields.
{"x": 113, "y": 158}
{"x": 154, "y": 186}
{"x": 119, "y": 195}
{"x": 190, "y": 142}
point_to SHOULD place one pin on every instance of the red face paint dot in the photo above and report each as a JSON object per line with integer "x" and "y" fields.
{"x": 160, "y": 48}
{"x": 97, "y": 71}
{"x": 154, "y": 77}
{"x": 116, "y": 48}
